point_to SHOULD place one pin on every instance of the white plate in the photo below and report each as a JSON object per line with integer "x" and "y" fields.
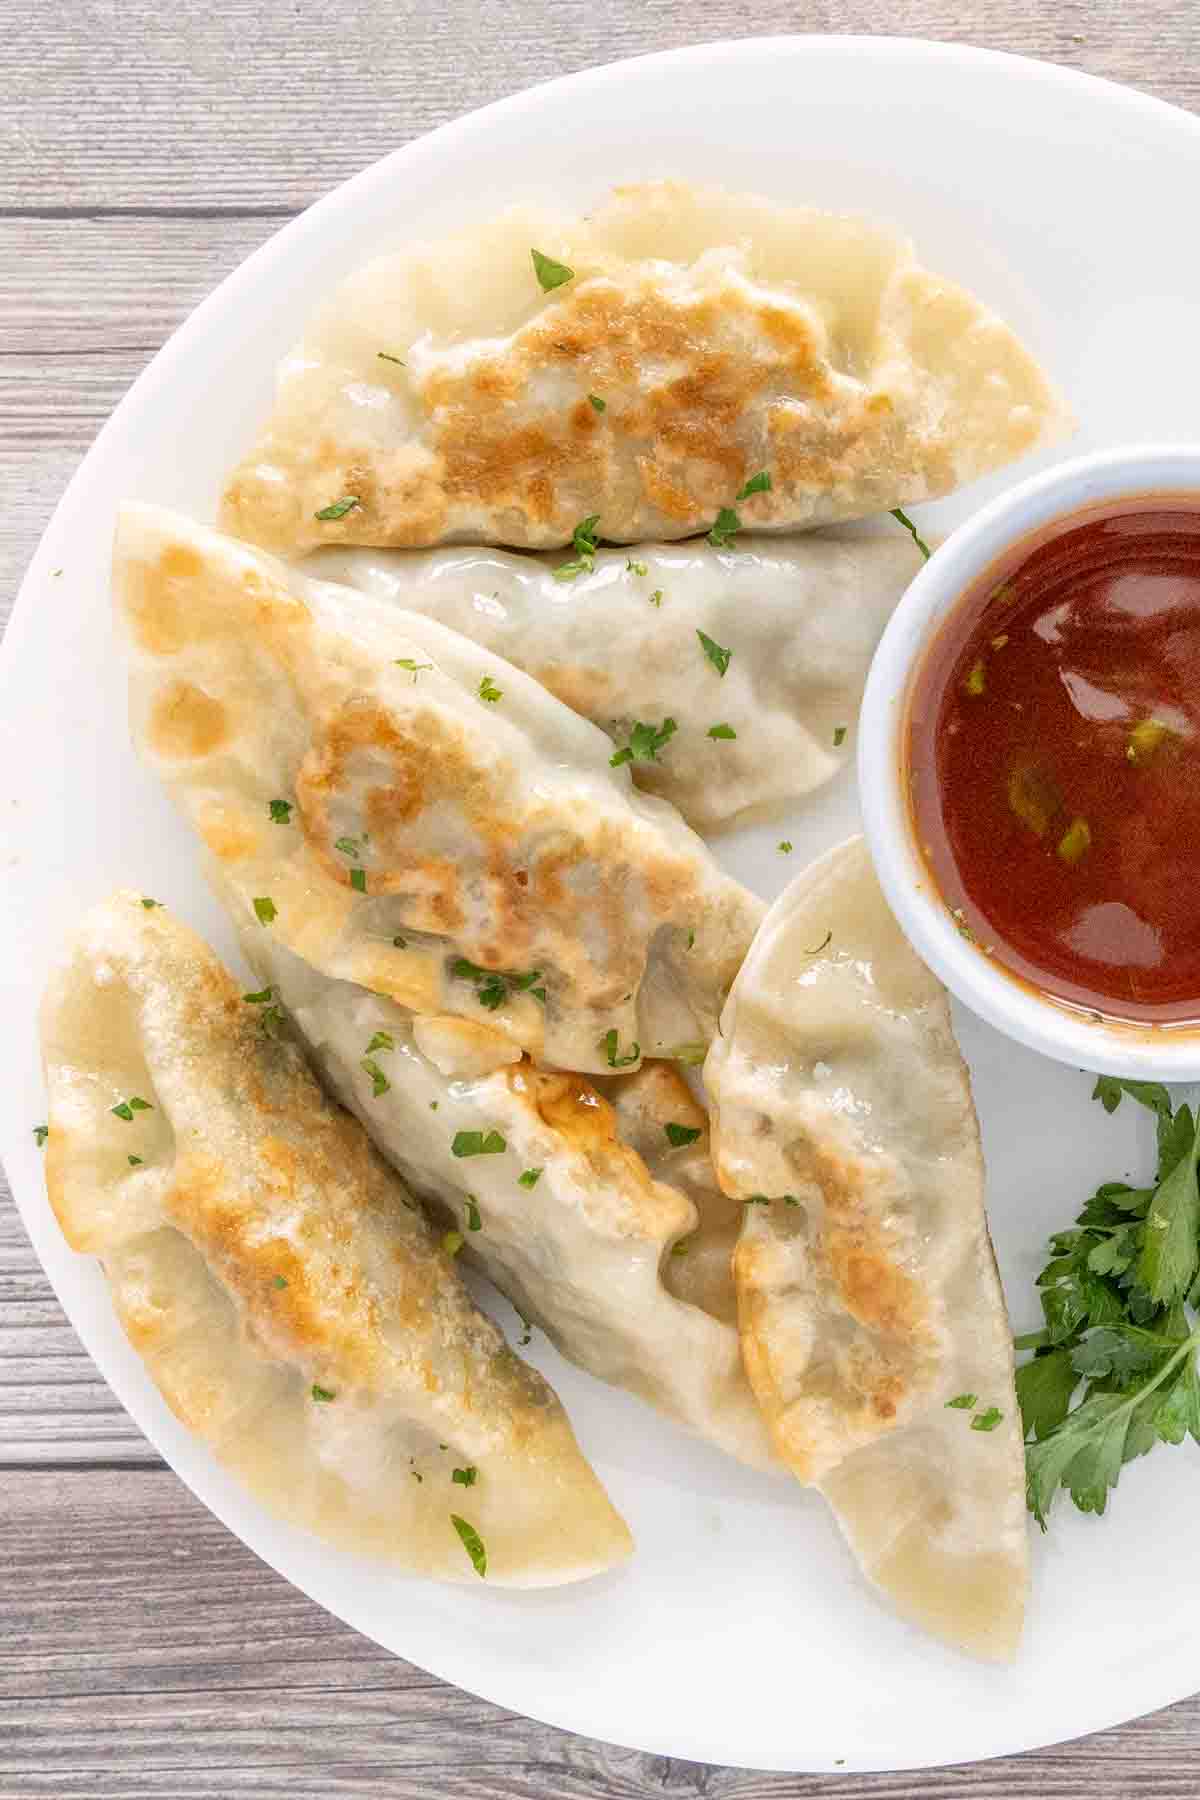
{"x": 740, "y": 1633}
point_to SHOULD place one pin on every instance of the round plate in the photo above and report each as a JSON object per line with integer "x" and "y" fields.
{"x": 741, "y": 1632}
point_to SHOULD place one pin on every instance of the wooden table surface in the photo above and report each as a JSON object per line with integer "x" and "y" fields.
{"x": 146, "y": 149}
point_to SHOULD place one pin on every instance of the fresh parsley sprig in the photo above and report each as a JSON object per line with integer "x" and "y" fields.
{"x": 1119, "y": 1298}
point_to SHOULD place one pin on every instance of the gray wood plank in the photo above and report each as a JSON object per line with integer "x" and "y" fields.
{"x": 148, "y": 1653}
{"x": 147, "y": 149}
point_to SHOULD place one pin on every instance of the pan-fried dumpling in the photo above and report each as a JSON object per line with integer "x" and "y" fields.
{"x": 873, "y": 1325}
{"x": 774, "y": 641}
{"x": 526, "y": 1166}
{"x": 408, "y": 812}
{"x": 286, "y": 1296}
{"x": 676, "y": 344}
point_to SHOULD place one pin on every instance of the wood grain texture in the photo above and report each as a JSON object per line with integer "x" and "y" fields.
{"x": 146, "y": 150}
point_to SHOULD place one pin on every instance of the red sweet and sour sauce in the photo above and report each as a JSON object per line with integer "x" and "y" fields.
{"x": 1054, "y": 759}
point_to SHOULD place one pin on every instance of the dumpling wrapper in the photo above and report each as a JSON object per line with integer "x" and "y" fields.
{"x": 428, "y": 823}
{"x": 872, "y": 1301}
{"x": 583, "y": 1247}
{"x": 452, "y": 400}
{"x": 801, "y": 617}
{"x": 261, "y": 1255}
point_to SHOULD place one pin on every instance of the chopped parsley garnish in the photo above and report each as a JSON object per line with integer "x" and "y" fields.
{"x": 681, "y": 1248}
{"x": 320, "y": 1393}
{"x": 339, "y": 508}
{"x": 637, "y": 568}
{"x": 656, "y": 598}
{"x": 382, "y": 1040}
{"x": 610, "y": 1044}
{"x": 386, "y": 356}
{"x": 585, "y": 545}
{"x": 453, "y": 1242}
{"x": 721, "y": 731}
{"x": 724, "y": 529}
{"x": 125, "y": 1109}
{"x": 264, "y": 997}
{"x": 471, "y": 1208}
{"x": 757, "y": 1200}
{"x": 477, "y": 1143}
{"x": 1075, "y": 842}
{"x": 719, "y": 657}
{"x": 279, "y": 1281}
{"x": 785, "y": 846}
{"x": 414, "y": 668}
{"x": 757, "y": 484}
{"x": 358, "y": 880}
{"x": 134, "y": 1162}
{"x": 839, "y": 736}
{"x": 264, "y": 909}
{"x": 1119, "y": 1299}
{"x": 150, "y": 904}
{"x": 379, "y": 1081}
{"x": 347, "y": 845}
{"x": 528, "y": 1178}
{"x": 976, "y": 680}
{"x": 465, "y": 1477}
{"x": 964, "y": 1402}
{"x": 911, "y": 529}
{"x": 645, "y": 742}
{"x": 42, "y": 1132}
{"x": 987, "y": 1421}
{"x": 691, "y": 941}
{"x": 399, "y": 943}
{"x": 678, "y": 1135}
{"x": 489, "y": 691}
{"x": 494, "y": 986}
{"x": 550, "y": 274}
{"x": 280, "y": 811}
{"x": 472, "y": 1543}
{"x": 598, "y": 405}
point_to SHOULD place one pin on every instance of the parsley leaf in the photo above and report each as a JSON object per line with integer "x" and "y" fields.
{"x": 40, "y": 1134}
{"x": 911, "y": 529}
{"x": 757, "y": 484}
{"x": 471, "y": 1208}
{"x": 550, "y": 274}
{"x": 678, "y": 1135}
{"x": 721, "y": 731}
{"x": 477, "y": 1143}
{"x": 264, "y": 909}
{"x": 839, "y": 736}
{"x": 610, "y": 1044}
{"x": 1114, "y": 1296}
{"x": 125, "y": 1109}
{"x": 135, "y": 1162}
{"x": 963, "y": 1401}
{"x": 717, "y": 656}
{"x": 494, "y": 986}
{"x": 724, "y": 529}
{"x": 386, "y": 356}
{"x": 280, "y": 811}
{"x": 465, "y": 1477}
{"x": 339, "y": 508}
{"x": 320, "y": 1393}
{"x": 528, "y": 1178}
{"x": 382, "y": 1040}
{"x": 785, "y": 846}
{"x": 636, "y": 568}
{"x": 656, "y": 598}
{"x": 453, "y": 1242}
{"x": 489, "y": 691}
{"x": 472, "y": 1543}
{"x": 585, "y": 544}
{"x": 358, "y": 880}
{"x": 645, "y": 742}
{"x": 410, "y": 663}
{"x": 987, "y": 1421}
{"x": 379, "y": 1081}
{"x": 598, "y": 405}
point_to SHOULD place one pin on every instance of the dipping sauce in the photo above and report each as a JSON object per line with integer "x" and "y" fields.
{"x": 1054, "y": 759}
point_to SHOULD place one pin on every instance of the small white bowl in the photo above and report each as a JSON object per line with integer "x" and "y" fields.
{"x": 1111, "y": 1047}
